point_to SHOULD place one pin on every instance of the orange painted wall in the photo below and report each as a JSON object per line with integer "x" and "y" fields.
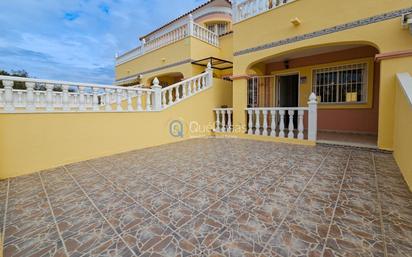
{"x": 353, "y": 120}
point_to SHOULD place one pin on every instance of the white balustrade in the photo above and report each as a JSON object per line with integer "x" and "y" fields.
{"x": 171, "y": 94}
{"x": 282, "y": 121}
{"x": 223, "y": 119}
{"x": 248, "y": 8}
{"x": 189, "y": 29}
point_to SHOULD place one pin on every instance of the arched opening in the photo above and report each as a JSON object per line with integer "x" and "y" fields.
{"x": 345, "y": 79}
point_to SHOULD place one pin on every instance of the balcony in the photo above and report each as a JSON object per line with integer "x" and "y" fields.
{"x": 246, "y": 9}
{"x": 189, "y": 29}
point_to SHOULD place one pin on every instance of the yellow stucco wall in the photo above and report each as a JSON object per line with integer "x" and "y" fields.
{"x": 402, "y": 145}
{"x": 33, "y": 142}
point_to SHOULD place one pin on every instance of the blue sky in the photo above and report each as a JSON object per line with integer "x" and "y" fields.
{"x": 76, "y": 40}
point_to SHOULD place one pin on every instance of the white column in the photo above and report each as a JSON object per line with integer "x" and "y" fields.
{"x": 129, "y": 100}
{"x": 223, "y": 112}
{"x": 157, "y": 99}
{"x": 108, "y": 104}
{"x": 49, "y": 97}
{"x": 250, "y": 125}
{"x": 273, "y": 123}
{"x": 313, "y": 117}
{"x": 95, "y": 100}
{"x": 300, "y": 123}
{"x": 282, "y": 124}
{"x": 198, "y": 83}
{"x": 30, "y": 97}
{"x": 149, "y": 101}
{"x": 82, "y": 106}
{"x": 65, "y": 100}
{"x": 229, "y": 120}
{"x": 164, "y": 100}
{"x": 291, "y": 126}
{"x": 265, "y": 122}
{"x": 8, "y": 96}
{"x": 257, "y": 124}
{"x": 217, "y": 120}
{"x": 139, "y": 101}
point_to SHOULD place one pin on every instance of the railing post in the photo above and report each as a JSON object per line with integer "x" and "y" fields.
{"x": 229, "y": 120}
{"x": 8, "y": 96}
{"x": 313, "y": 117}
{"x": 217, "y": 120}
{"x": 250, "y": 125}
{"x": 190, "y": 25}
{"x": 149, "y": 101}
{"x": 142, "y": 48}
{"x": 30, "y": 96}
{"x": 49, "y": 97}
{"x": 209, "y": 71}
{"x": 157, "y": 99}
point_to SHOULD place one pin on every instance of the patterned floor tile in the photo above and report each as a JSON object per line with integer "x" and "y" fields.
{"x": 214, "y": 197}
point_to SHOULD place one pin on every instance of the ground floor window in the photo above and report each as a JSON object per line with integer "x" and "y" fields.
{"x": 341, "y": 84}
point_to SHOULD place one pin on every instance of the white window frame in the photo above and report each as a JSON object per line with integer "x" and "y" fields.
{"x": 330, "y": 83}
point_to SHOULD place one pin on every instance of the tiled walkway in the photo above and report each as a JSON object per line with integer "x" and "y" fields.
{"x": 213, "y": 197}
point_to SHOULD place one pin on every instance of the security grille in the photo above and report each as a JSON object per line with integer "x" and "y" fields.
{"x": 341, "y": 84}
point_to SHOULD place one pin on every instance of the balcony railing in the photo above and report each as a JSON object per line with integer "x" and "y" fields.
{"x": 248, "y": 8}
{"x": 282, "y": 122}
{"x": 189, "y": 29}
{"x": 223, "y": 119}
{"x": 36, "y": 95}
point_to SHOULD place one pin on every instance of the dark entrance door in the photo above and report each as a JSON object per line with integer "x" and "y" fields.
{"x": 288, "y": 95}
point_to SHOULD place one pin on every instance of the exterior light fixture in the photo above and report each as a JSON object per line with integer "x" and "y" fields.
{"x": 295, "y": 21}
{"x": 407, "y": 22}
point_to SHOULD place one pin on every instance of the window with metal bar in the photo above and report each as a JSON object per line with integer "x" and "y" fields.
{"x": 341, "y": 84}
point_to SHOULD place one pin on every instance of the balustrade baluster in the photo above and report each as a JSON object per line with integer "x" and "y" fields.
{"x": 282, "y": 124}
{"x": 49, "y": 97}
{"x": 108, "y": 104}
{"x": 300, "y": 124}
{"x": 119, "y": 94}
{"x": 164, "y": 99}
{"x": 184, "y": 90}
{"x": 139, "y": 101}
{"x": 30, "y": 97}
{"x": 170, "y": 93}
{"x": 129, "y": 100}
{"x": 229, "y": 120}
{"x": 95, "y": 100}
{"x": 265, "y": 122}
{"x": 198, "y": 83}
{"x": 148, "y": 101}
{"x": 257, "y": 124}
{"x": 189, "y": 88}
{"x": 250, "y": 129}
{"x": 291, "y": 126}
{"x": 223, "y": 112}
{"x": 273, "y": 123}
{"x": 81, "y": 99}
{"x": 217, "y": 120}
{"x": 178, "y": 95}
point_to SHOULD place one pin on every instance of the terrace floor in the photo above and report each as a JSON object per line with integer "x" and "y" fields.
{"x": 213, "y": 197}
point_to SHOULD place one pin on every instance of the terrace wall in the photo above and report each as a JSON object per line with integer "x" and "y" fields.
{"x": 34, "y": 142}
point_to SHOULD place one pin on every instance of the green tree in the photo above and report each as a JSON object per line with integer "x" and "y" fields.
{"x": 15, "y": 73}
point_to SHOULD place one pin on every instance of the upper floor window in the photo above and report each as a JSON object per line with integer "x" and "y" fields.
{"x": 219, "y": 28}
{"x": 341, "y": 84}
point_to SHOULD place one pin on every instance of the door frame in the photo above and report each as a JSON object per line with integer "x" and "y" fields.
{"x": 277, "y": 87}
